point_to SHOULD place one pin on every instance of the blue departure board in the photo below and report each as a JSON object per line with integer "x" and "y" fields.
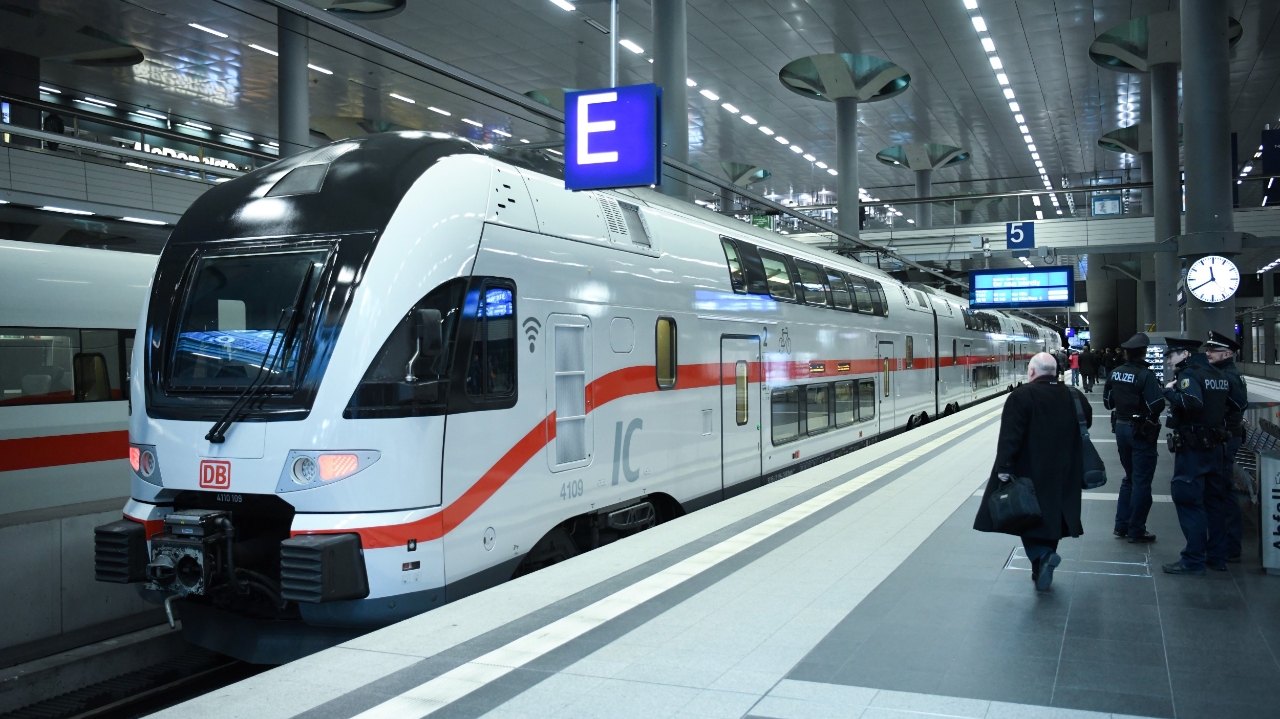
{"x": 1012, "y": 288}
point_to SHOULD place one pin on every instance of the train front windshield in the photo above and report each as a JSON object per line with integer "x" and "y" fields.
{"x": 240, "y": 320}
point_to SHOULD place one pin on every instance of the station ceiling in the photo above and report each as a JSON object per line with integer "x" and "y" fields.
{"x": 736, "y": 48}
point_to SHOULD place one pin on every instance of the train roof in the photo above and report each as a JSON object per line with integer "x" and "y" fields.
{"x": 52, "y": 286}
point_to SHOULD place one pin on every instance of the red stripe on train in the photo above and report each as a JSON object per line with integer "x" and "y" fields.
{"x": 63, "y": 449}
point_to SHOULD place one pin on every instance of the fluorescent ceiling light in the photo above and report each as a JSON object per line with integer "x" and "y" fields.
{"x": 689, "y": 81}
{"x": 268, "y": 51}
{"x": 95, "y": 101}
{"x": 496, "y": 131}
{"x": 137, "y": 165}
{"x": 555, "y": 152}
{"x": 796, "y": 149}
{"x": 1023, "y": 129}
{"x": 1039, "y": 163}
{"x": 1031, "y": 148}
{"x": 151, "y": 114}
{"x": 196, "y": 126}
{"x": 810, "y": 158}
{"x": 209, "y": 30}
{"x": 832, "y": 172}
{"x": 650, "y": 61}
{"x": 1014, "y": 106}
{"x": 1035, "y": 200}
{"x": 821, "y": 165}
{"x": 1020, "y": 119}
{"x": 749, "y": 119}
{"x": 411, "y": 101}
{"x": 729, "y": 107}
{"x": 979, "y": 24}
{"x": 65, "y": 210}
{"x": 995, "y": 63}
{"x": 782, "y": 139}
{"x": 1039, "y": 214}
{"x": 44, "y": 88}
{"x": 766, "y": 130}
{"x": 472, "y": 122}
{"x": 524, "y": 141}
{"x": 240, "y": 136}
{"x": 317, "y": 68}
{"x": 1035, "y": 156}
{"x": 631, "y": 46}
{"x": 1008, "y": 93}
{"x": 970, "y": 4}
{"x": 988, "y": 44}
{"x": 708, "y": 94}
{"x": 273, "y": 143}
{"x": 435, "y": 109}
{"x": 1002, "y": 78}
{"x": 563, "y": 5}
{"x": 143, "y": 221}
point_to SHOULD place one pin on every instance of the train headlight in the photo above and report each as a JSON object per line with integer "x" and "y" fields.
{"x": 305, "y": 469}
{"x": 145, "y": 464}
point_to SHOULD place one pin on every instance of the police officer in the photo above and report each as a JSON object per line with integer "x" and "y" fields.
{"x": 1197, "y": 398}
{"x": 1133, "y": 395}
{"x": 1221, "y": 351}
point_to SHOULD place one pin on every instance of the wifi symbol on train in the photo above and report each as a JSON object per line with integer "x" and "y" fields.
{"x": 531, "y": 328}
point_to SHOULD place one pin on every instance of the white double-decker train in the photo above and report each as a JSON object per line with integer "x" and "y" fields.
{"x": 384, "y": 374}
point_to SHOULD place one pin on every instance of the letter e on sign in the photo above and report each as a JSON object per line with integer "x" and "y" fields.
{"x": 215, "y": 474}
{"x": 612, "y": 138}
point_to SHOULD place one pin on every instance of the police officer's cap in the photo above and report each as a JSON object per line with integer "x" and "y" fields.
{"x": 1217, "y": 340}
{"x": 1177, "y": 343}
{"x": 1137, "y": 342}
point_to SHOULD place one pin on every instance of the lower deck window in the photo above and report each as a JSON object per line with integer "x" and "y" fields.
{"x": 818, "y": 407}
{"x": 846, "y": 404}
{"x": 785, "y": 414}
{"x": 866, "y": 399}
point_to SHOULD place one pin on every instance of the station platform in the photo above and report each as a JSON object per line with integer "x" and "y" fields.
{"x": 856, "y": 588}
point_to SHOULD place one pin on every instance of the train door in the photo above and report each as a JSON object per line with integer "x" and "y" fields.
{"x": 740, "y": 418}
{"x": 967, "y": 359}
{"x": 888, "y": 362}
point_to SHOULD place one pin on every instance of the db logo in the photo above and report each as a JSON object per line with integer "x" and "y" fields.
{"x": 215, "y": 474}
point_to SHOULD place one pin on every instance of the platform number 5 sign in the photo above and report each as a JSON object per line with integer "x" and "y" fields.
{"x": 1020, "y": 235}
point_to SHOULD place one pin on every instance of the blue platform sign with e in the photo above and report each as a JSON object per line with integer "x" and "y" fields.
{"x": 1020, "y": 235}
{"x": 613, "y": 137}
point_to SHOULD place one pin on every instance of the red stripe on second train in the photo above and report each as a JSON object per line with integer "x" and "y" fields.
{"x": 62, "y": 449}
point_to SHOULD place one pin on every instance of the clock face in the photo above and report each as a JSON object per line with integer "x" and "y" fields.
{"x": 1213, "y": 278}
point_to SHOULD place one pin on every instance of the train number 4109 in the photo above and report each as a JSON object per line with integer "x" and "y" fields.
{"x": 571, "y": 489}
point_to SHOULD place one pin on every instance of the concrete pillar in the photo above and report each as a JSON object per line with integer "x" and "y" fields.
{"x": 1268, "y": 353}
{"x": 1246, "y": 338}
{"x": 20, "y": 77}
{"x": 1126, "y": 309}
{"x": 924, "y": 188}
{"x": 847, "y": 165}
{"x": 1146, "y": 173}
{"x": 1101, "y": 293}
{"x": 1147, "y": 292}
{"x": 295, "y": 108}
{"x": 1207, "y": 143}
{"x": 670, "y": 71}
{"x": 1166, "y": 194}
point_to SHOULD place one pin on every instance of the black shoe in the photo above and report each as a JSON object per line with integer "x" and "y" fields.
{"x": 1180, "y": 568}
{"x": 1120, "y": 533}
{"x": 1217, "y": 567}
{"x": 1046, "y": 571}
{"x": 1143, "y": 538}
{"x": 1233, "y": 560}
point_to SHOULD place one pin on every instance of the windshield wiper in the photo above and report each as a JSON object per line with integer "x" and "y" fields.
{"x": 217, "y": 434}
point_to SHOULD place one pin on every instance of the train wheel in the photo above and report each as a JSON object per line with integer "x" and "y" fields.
{"x": 924, "y": 418}
{"x": 554, "y": 547}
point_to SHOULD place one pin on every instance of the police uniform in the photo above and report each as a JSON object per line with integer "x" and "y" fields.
{"x": 1197, "y": 400}
{"x": 1228, "y": 521}
{"x": 1133, "y": 395}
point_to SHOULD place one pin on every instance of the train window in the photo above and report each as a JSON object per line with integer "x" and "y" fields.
{"x": 742, "y": 410}
{"x": 911, "y": 352}
{"x": 862, "y": 294}
{"x": 492, "y": 369}
{"x": 665, "y": 345}
{"x": 814, "y": 282}
{"x": 97, "y": 367}
{"x": 920, "y": 296}
{"x": 244, "y": 313}
{"x": 737, "y": 277}
{"x": 785, "y": 414}
{"x": 879, "y": 301}
{"x": 757, "y": 282}
{"x": 846, "y": 407}
{"x": 53, "y": 366}
{"x": 571, "y": 393}
{"x": 840, "y": 296}
{"x": 818, "y": 407}
{"x": 866, "y": 399}
{"x": 778, "y": 275}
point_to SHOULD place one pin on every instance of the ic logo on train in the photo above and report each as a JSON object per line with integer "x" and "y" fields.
{"x": 215, "y": 474}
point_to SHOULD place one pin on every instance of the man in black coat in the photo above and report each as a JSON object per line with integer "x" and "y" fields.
{"x": 1040, "y": 439}
{"x": 1088, "y": 368}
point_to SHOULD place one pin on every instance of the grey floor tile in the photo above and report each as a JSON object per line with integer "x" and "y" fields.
{"x": 1114, "y": 702}
{"x": 1112, "y": 651}
{"x": 1224, "y": 708}
{"x": 709, "y": 704}
{"x": 781, "y": 708}
{"x": 1117, "y": 678}
{"x": 931, "y": 704}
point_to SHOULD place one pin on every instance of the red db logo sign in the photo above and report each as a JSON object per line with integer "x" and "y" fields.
{"x": 215, "y": 474}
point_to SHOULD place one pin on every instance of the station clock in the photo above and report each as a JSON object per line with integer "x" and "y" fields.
{"x": 1213, "y": 278}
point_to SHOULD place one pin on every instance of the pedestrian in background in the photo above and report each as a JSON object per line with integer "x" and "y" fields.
{"x": 1040, "y": 439}
{"x": 1221, "y": 351}
{"x": 1060, "y": 359}
{"x": 1088, "y": 368}
{"x": 1074, "y": 363}
{"x": 1133, "y": 395}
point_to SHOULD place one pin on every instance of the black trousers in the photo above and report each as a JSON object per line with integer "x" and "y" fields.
{"x": 1037, "y": 549}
